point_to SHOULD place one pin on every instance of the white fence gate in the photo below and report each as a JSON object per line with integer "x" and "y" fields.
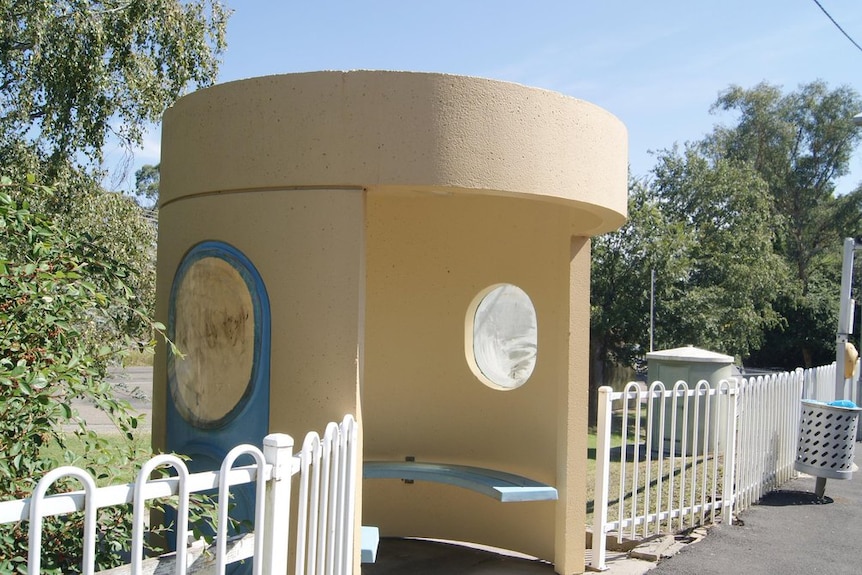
{"x": 688, "y": 455}
{"x": 327, "y": 473}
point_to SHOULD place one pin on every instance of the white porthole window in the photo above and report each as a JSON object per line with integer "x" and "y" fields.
{"x": 501, "y": 337}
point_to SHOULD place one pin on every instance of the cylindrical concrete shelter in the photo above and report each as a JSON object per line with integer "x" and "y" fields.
{"x": 368, "y": 213}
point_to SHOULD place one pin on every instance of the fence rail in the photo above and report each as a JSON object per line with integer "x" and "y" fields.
{"x": 690, "y": 455}
{"x": 326, "y": 468}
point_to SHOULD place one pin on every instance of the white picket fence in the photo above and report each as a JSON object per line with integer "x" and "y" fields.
{"x": 327, "y": 473}
{"x": 819, "y": 384}
{"x": 690, "y": 455}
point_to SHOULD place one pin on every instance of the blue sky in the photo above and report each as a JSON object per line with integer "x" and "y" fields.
{"x": 657, "y": 65}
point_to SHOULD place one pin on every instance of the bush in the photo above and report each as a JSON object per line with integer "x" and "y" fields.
{"x": 61, "y": 292}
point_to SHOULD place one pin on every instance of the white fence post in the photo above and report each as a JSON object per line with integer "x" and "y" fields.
{"x": 603, "y": 462}
{"x": 278, "y": 452}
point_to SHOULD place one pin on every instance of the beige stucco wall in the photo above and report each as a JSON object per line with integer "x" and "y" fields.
{"x": 307, "y": 247}
{"x": 375, "y": 206}
{"x": 398, "y": 130}
{"x": 427, "y": 258}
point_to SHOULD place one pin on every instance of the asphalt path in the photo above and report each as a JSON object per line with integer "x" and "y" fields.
{"x": 789, "y": 532}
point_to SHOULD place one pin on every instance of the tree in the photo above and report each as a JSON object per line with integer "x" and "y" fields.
{"x": 702, "y": 226}
{"x": 73, "y": 71}
{"x": 76, "y": 271}
{"x": 724, "y": 299}
{"x": 116, "y": 224}
{"x": 622, "y": 262}
{"x": 52, "y": 325}
{"x": 799, "y": 143}
{"x": 147, "y": 185}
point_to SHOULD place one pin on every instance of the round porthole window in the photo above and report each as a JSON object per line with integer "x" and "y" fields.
{"x": 501, "y": 337}
{"x": 214, "y": 322}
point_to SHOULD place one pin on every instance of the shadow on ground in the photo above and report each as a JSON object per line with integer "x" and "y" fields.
{"x": 617, "y": 453}
{"x": 781, "y": 498}
{"x": 422, "y": 557}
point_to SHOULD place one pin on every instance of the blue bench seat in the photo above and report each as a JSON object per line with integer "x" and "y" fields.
{"x": 502, "y": 486}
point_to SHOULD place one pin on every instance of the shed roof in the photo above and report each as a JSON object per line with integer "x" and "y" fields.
{"x": 690, "y": 353}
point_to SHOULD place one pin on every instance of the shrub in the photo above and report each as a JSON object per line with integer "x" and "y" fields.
{"x": 59, "y": 291}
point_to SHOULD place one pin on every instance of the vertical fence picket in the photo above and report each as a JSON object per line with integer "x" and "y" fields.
{"x": 350, "y": 460}
{"x": 324, "y": 462}
{"x": 683, "y": 455}
{"x": 306, "y": 523}
{"x": 636, "y": 436}
{"x": 730, "y": 444}
{"x": 707, "y": 446}
{"x": 222, "y": 531}
{"x": 140, "y": 508}
{"x": 34, "y": 557}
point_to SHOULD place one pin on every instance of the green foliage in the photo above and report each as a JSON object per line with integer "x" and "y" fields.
{"x": 744, "y": 231}
{"x": 147, "y": 185}
{"x": 799, "y": 143}
{"x": 73, "y": 71}
{"x": 113, "y": 223}
{"x": 78, "y": 286}
{"x": 53, "y": 317}
{"x": 723, "y": 301}
{"x": 622, "y": 262}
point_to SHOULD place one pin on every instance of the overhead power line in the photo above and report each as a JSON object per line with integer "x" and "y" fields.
{"x": 837, "y": 25}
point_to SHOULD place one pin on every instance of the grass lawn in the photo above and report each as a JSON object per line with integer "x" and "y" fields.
{"x": 661, "y": 477}
{"x": 115, "y": 461}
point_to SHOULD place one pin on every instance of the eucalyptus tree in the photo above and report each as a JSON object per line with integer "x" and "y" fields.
{"x": 800, "y": 143}
{"x": 622, "y": 265}
{"x": 147, "y": 185}
{"x": 74, "y": 71}
{"x": 702, "y": 227}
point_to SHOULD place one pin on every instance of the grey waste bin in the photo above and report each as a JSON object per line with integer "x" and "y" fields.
{"x": 827, "y": 439}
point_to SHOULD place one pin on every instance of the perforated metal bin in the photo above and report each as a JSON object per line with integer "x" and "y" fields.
{"x": 827, "y": 439}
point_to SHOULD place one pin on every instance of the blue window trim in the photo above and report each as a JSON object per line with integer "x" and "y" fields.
{"x": 259, "y": 379}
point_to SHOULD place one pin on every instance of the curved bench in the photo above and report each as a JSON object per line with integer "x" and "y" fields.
{"x": 502, "y": 486}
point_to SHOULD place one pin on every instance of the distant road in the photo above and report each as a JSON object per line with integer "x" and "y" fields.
{"x": 133, "y": 384}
